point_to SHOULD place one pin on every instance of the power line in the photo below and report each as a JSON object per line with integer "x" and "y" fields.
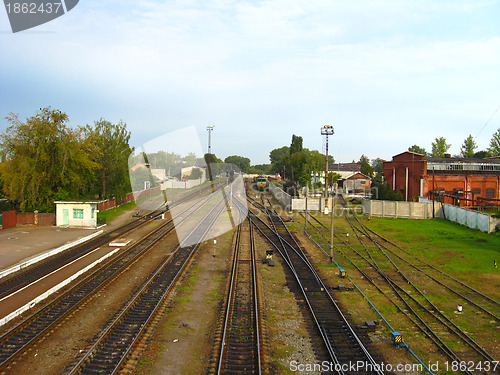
{"x": 486, "y": 123}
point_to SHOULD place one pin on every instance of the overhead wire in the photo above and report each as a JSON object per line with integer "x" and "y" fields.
{"x": 486, "y": 123}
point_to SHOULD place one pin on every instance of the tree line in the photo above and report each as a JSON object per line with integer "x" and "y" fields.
{"x": 467, "y": 149}
{"x": 43, "y": 159}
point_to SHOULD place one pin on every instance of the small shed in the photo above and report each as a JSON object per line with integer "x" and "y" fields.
{"x": 77, "y": 213}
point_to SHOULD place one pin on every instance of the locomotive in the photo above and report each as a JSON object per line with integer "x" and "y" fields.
{"x": 261, "y": 183}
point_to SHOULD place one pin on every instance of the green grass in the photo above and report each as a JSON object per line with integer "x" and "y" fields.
{"x": 113, "y": 213}
{"x": 454, "y": 246}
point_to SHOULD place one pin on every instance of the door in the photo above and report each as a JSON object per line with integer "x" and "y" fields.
{"x": 65, "y": 216}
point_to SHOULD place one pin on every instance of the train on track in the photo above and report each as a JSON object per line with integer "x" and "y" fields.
{"x": 261, "y": 183}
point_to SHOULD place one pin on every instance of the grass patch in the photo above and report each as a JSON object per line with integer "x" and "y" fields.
{"x": 112, "y": 213}
{"x": 183, "y": 299}
{"x": 454, "y": 246}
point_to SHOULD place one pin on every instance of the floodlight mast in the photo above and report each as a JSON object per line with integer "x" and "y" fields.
{"x": 327, "y": 130}
{"x": 210, "y": 129}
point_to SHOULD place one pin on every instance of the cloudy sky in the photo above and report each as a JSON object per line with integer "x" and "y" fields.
{"x": 386, "y": 74}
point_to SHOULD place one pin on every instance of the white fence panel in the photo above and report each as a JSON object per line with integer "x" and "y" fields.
{"x": 469, "y": 218}
{"x": 299, "y": 204}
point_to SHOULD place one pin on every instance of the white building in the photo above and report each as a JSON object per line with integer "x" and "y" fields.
{"x": 77, "y": 213}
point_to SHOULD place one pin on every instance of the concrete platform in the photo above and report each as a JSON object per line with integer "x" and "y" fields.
{"x": 22, "y": 243}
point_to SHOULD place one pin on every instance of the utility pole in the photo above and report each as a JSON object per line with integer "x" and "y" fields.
{"x": 210, "y": 129}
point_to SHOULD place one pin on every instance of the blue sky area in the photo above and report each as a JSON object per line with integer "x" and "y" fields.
{"x": 386, "y": 74}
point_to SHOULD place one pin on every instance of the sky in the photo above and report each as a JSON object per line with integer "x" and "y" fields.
{"x": 385, "y": 74}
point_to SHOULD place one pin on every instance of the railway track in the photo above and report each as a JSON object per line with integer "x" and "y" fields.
{"x": 11, "y": 284}
{"x": 342, "y": 343}
{"x": 18, "y": 280}
{"x": 239, "y": 343}
{"x": 21, "y": 337}
{"x": 116, "y": 345}
{"x": 396, "y": 284}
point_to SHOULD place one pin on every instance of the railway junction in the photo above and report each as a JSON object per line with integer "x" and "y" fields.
{"x": 173, "y": 291}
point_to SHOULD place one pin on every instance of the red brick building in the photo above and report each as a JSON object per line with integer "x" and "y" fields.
{"x": 462, "y": 181}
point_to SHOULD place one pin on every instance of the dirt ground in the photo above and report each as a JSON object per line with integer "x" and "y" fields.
{"x": 181, "y": 343}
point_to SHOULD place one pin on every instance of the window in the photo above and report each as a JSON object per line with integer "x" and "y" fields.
{"x": 476, "y": 192}
{"x": 77, "y": 213}
{"x": 490, "y": 193}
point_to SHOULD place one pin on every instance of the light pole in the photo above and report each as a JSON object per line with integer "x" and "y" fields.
{"x": 326, "y": 130}
{"x": 210, "y": 129}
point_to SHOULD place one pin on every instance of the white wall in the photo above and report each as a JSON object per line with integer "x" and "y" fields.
{"x": 87, "y": 220}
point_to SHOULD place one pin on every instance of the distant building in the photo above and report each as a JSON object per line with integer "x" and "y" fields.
{"x": 351, "y": 178}
{"x": 460, "y": 181}
{"x": 357, "y": 181}
{"x": 76, "y": 213}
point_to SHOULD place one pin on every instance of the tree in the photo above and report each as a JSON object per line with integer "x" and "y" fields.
{"x": 495, "y": 144}
{"x": 366, "y": 168}
{"x": 482, "y": 154}
{"x": 196, "y": 173}
{"x": 190, "y": 159}
{"x": 384, "y": 192}
{"x": 260, "y": 169}
{"x": 418, "y": 150}
{"x": 296, "y": 145}
{"x": 279, "y": 159}
{"x": 241, "y": 162}
{"x": 378, "y": 167}
{"x": 214, "y": 165}
{"x": 333, "y": 178}
{"x": 468, "y": 147}
{"x": 44, "y": 159}
{"x": 111, "y": 151}
{"x": 440, "y": 147}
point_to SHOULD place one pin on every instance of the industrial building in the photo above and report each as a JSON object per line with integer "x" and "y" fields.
{"x": 459, "y": 181}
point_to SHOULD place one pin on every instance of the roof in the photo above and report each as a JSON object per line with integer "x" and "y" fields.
{"x": 494, "y": 160}
{"x": 358, "y": 175}
{"x": 345, "y": 167}
{"x": 345, "y": 175}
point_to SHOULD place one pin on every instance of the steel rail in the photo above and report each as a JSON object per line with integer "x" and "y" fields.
{"x": 455, "y": 329}
{"x": 229, "y": 320}
{"x": 99, "y": 347}
{"x": 17, "y": 339}
{"x": 316, "y": 319}
{"x": 361, "y": 345}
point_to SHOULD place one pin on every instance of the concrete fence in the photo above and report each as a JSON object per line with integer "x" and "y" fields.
{"x": 423, "y": 210}
{"x": 172, "y": 184}
{"x": 398, "y": 209}
{"x": 313, "y": 204}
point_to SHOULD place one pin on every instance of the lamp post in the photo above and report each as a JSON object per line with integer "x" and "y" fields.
{"x": 326, "y": 130}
